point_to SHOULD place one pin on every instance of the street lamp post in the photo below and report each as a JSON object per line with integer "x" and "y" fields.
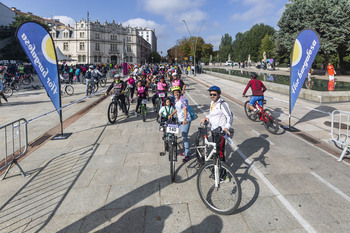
{"x": 194, "y": 45}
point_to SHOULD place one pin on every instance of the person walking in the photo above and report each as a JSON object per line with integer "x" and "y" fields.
{"x": 331, "y": 73}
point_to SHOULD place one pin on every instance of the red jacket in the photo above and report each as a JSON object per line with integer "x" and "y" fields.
{"x": 258, "y": 88}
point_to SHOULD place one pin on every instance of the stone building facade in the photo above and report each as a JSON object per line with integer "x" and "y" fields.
{"x": 149, "y": 35}
{"x": 96, "y": 43}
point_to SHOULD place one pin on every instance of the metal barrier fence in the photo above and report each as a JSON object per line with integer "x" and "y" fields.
{"x": 14, "y": 143}
{"x": 340, "y": 131}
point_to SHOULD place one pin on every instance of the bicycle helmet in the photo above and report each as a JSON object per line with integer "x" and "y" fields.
{"x": 176, "y": 88}
{"x": 174, "y": 74}
{"x": 254, "y": 76}
{"x": 215, "y": 88}
{"x": 91, "y": 66}
{"x": 117, "y": 76}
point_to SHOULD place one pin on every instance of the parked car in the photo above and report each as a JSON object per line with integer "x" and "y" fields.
{"x": 228, "y": 63}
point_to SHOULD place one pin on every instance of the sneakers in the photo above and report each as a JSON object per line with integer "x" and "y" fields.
{"x": 187, "y": 158}
{"x": 182, "y": 154}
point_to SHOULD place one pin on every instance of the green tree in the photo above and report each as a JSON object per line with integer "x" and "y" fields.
{"x": 13, "y": 50}
{"x": 155, "y": 57}
{"x": 248, "y": 43}
{"x": 225, "y": 48}
{"x": 268, "y": 46}
{"x": 331, "y": 20}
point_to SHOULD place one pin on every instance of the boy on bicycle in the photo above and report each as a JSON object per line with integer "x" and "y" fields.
{"x": 118, "y": 87}
{"x": 142, "y": 93}
{"x": 258, "y": 89}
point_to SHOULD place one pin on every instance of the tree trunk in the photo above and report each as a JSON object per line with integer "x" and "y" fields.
{"x": 342, "y": 54}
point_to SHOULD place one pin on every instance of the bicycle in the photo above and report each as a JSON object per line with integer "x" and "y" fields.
{"x": 127, "y": 96}
{"x": 89, "y": 90}
{"x": 7, "y": 91}
{"x": 265, "y": 115}
{"x": 170, "y": 130}
{"x": 217, "y": 184}
{"x": 144, "y": 109}
{"x": 67, "y": 88}
{"x": 113, "y": 109}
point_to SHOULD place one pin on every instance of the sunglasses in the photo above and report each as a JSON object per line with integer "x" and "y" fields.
{"x": 213, "y": 94}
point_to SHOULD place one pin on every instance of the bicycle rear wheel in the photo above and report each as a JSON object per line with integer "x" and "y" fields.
{"x": 158, "y": 108}
{"x": 250, "y": 114}
{"x": 69, "y": 89}
{"x": 26, "y": 80}
{"x": 271, "y": 124}
{"x": 223, "y": 199}
{"x": 96, "y": 87}
{"x": 127, "y": 101}
{"x": 172, "y": 152}
{"x": 112, "y": 112}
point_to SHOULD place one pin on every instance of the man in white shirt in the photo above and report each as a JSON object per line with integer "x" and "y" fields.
{"x": 220, "y": 115}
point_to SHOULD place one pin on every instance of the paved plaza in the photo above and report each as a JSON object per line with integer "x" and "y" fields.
{"x": 110, "y": 178}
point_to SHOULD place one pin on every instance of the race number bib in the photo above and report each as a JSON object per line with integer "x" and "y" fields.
{"x": 172, "y": 128}
{"x": 161, "y": 95}
{"x": 144, "y": 101}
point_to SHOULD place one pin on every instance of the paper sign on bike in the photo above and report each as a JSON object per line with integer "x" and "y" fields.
{"x": 130, "y": 85}
{"x": 112, "y": 96}
{"x": 144, "y": 101}
{"x": 161, "y": 95}
{"x": 172, "y": 128}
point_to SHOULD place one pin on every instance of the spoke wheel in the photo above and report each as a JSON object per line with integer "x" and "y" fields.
{"x": 112, "y": 112}
{"x": 83, "y": 81}
{"x": 271, "y": 124}
{"x": 127, "y": 101}
{"x": 201, "y": 149}
{"x": 250, "y": 114}
{"x": 96, "y": 87}
{"x": 172, "y": 152}
{"x": 103, "y": 82}
{"x": 8, "y": 91}
{"x": 158, "y": 108}
{"x": 26, "y": 81}
{"x": 223, "y": 199}
{"x": 69, "y": 90}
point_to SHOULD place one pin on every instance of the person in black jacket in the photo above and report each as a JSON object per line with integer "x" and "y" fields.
{"x": 118, "y": 87}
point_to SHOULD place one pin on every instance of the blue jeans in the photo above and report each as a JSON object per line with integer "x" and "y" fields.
{"x": 184, "y": 133}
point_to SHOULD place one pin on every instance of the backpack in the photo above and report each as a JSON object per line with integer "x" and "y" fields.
{"x": 88, "y": 75}
{"x": 192, "y": 113}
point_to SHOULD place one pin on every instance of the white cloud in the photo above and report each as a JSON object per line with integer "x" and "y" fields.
{"x": 258, "y": 9}
{"x": 139, "y": 22}
{"x": 215, "y": 40}
{"x": 65, "y": 19}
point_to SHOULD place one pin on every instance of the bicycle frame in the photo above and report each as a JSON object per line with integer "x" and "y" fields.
{"x": 262, "y": 115}
{"x": 207, "y": 144}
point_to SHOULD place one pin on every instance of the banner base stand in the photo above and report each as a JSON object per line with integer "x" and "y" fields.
{"x": 290, "y": 128}
{"x": 61, "y": 136}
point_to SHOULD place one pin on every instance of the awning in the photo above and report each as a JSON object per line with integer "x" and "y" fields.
{"x": 61, "y": 56}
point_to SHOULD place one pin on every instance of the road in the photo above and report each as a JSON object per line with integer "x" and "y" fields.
{"x": 110, "y": 178}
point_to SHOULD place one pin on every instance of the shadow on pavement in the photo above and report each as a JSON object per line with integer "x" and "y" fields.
{"x": 319, "y": 112}
{"x": 212, "y": 223}
{"x": 34, "y": 205}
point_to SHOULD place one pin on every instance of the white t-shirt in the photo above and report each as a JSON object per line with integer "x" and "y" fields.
{"x": 180, "y": 106}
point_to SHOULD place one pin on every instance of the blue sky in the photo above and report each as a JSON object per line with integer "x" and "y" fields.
{"x": 220, "y": 16}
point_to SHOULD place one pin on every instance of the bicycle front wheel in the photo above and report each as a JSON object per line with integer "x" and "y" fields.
{"x": 26, "y": 81}
{"x": 271, "y": 123}
{"x": 250, "y": 114}
{"x": 226, "y": 196}
{"x": 127, "y": 101}
{"x": 69, "y": 90}
{"x": 201, "y": 149}
{"x": 103, "y": 82}
{"x": 112, "y": 112}
{"x": 172, "y": 152}
{"x": 8, "y": 91}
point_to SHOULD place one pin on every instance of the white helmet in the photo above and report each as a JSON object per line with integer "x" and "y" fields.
{"x": 91, "y": 66}
{"x": 174, "y": 74}
{"x": 117, "y": 76}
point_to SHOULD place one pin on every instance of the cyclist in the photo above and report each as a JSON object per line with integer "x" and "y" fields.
{"x": 142, "y": 93}
{"x": 220, "y": 115}
{"x": 162, "y": 87}
{"x": 258, "y": 89}
{"x": 118, "y": 89}
{"x": 184, "y": 119}
{"x": 90, "y": 78}
{"x": 166, "y": 110}
{"x": 178, "y": 82}
{"x": 131, "y": 83}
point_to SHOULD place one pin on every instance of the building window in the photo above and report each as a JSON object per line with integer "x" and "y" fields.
{"x": 113, "y": 37}
{"x": 82, "y": 46}
{"x": 128, "y": 48}
{"x": 79, "y": 58}
{"x": 84, "y": 58}
{"x": 113, "y": 47}
{"x": 65, "y": 35}
{"x": 82, "y": 34}
{"x": 97, "y": 35}
{"x": 53, "y": 35}
{"x": 97, "y": 46}
{"x": 65, "y": 46}
{"x": 99, "y": 59}
{"x": 128, "y": 38}
{"x": 81, "y": 25}
{"x": 95, "y": 58}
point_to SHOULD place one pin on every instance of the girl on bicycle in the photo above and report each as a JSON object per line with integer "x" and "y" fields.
{"x": 166, "y": 110}
{"x": 184, "y": 119}
{"x": 162, "y": 87}
{"x": 142, "y": 93}
{"x": 131, "y": 83}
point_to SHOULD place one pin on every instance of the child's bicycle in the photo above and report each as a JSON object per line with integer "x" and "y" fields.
{"x": 265, "y": 115}
{"x": 217, "y": 184}
{"x": 159, "y": 103}
{"x": 112, "y": 113}
{"x": 144, "y": 109}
